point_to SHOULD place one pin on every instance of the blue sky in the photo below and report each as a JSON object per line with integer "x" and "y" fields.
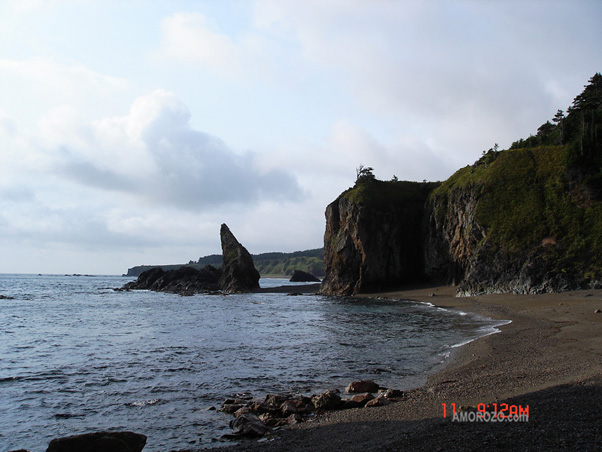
{"x": 130, "y": 130}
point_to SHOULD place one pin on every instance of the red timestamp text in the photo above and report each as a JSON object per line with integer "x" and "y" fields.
{"x": 498, "y": 410}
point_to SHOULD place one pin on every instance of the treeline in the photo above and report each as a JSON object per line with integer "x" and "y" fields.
{"x": 267, "y": 264}
{"x": 581, "y": 131}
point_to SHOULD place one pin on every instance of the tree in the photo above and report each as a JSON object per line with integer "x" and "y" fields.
{"x": 364, "y": 173}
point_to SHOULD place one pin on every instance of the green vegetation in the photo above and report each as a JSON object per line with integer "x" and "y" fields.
{"x": 267, "y": 264}
{"x": 377, "y": 193}
{"x": 544, "y": 190}
{"x": 284, "y": 264}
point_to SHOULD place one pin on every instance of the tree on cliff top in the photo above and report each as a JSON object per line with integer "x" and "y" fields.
{"x": 364, "y": 174}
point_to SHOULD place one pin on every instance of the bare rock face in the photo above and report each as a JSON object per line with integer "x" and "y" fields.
{"x": 239, "y": 274}
{"x": 373, "y": 242}
{"x": 99, "y": 442}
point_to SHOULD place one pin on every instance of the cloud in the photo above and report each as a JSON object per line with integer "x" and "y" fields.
{"x": 192, "y": 38}
{"x": 50, "y": 76}
{"x": 154, "y": 155}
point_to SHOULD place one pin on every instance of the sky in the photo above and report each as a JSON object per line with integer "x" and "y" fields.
{"x": 131, "y": 130}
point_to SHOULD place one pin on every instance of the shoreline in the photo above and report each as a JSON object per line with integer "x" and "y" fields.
{"x": 548, "y": 358}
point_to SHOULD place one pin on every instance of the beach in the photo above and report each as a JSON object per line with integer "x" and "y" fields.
{"x": 548, "y": 361}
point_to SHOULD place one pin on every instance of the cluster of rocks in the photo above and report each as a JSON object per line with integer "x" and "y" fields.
{"x": 237, "y": 274}
{"x": 254, "y": 418}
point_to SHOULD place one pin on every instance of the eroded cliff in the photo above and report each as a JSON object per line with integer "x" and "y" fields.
{"x": 374, "y": 237}
{"x": 512, "y": 222}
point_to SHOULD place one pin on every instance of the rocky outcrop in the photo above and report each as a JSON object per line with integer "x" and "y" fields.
{"x": 509, "y": 225}
{"x": 374, "y": 237}
{"x": 183, "y": 281}
{"x": 238, "y": 272}
{"x": 99, "y": 442}
{"x": 301, "y": 276}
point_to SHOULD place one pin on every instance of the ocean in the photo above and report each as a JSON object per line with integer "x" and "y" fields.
{"x": 77, "y": 356}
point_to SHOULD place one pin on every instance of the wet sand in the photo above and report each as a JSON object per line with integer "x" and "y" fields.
{"x": 549, "y": 359}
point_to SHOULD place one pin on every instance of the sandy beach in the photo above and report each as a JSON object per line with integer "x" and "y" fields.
{"x": 549, "y": 359}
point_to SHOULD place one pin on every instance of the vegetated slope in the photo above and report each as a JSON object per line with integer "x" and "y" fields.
{"x": 268, "y": 264}
{"x": 524, "y": 220}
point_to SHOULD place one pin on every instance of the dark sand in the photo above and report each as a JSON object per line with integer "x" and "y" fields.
{"x": 549, "y": 358}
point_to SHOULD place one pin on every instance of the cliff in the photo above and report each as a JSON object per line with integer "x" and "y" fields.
{"x": 523, "y": 220}
{"x": 514, "y": 224}
{"x": 373, "y": 237}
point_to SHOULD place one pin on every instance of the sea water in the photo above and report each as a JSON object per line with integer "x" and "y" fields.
{"x": 77, "y": 356}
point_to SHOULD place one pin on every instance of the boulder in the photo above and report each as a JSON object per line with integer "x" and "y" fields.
{"x": 248, "y": 425}
{"x": 379, "y": 401}
{"x": 239, "y": 274}
{"x": 99, "y": 442}
{"x": 295, "y": 406}
{"x": 362, "y": 386}
{"x": 362, "y": 399}
{"x": 329, "y": 400}
{"x": 301, "y": 276}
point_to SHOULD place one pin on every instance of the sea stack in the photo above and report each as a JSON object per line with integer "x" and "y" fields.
{"x": 239, "y": 274}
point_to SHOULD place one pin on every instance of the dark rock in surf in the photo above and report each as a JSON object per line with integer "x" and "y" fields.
{"x": 99, "y": 442}
{"x": 301, "y": 276}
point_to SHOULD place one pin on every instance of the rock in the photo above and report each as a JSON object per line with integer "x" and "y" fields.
{"x": 185, "y": 280}
{"x": 362, "y": 399}
{"x": 230, "y": 408}
{"x": 248, "y": 425}
{"x": 393, "y": 394}
{"x": 6, "y": 297}
{"x": 262, "y": 407}
{"x": 373, "y": 238}
{"x": 270, "y": 420}
{"x": 294, "y": 419}
{"x": 379, "y": 401}
{"x": 99, "y": 442}
{"x": 239, "y": 274}
{"x": 597, "y": 311}
{"x": 243, "y": 410}
{"x": 295, "y": 406}
{"x": 362, "y": 386}
{"x": 301, "y": 276}
{"x": 275, "y": 400}
{"x": 329, "y": 400}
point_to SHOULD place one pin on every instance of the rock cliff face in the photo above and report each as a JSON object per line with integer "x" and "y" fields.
{"x": 238, "y": 272}
{"x": 508, "y": 224}
{"x": 373, "y": 237}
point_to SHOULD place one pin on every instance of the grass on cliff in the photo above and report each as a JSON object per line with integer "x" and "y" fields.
{"x": 378, "y": 193}
{"x": 524, "y": 198}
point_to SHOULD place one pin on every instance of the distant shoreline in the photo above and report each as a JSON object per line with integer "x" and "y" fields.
{"x": 549, "y": 358}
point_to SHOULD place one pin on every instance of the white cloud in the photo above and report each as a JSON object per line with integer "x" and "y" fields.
{"x": 154, "y": 155}
{"x": 192, "y": 38}
{"x": 62, "y": 80}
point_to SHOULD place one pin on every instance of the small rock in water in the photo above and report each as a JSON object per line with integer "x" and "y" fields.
{"x": 99, "y": 442}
